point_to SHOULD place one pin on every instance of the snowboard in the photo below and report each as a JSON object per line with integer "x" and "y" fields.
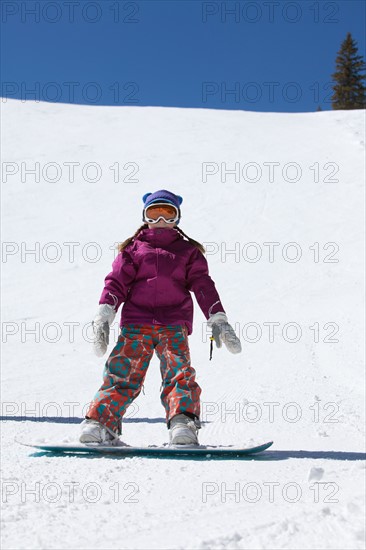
{"x": 122, "y": 451}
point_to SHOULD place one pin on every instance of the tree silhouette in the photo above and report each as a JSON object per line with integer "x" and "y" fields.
{"x": 349, "y": 89}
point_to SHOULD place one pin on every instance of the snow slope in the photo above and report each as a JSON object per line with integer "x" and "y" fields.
{"x": 302, "y": 387}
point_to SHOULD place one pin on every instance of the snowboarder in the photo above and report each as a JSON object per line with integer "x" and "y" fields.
{"x": 153, "y": 275}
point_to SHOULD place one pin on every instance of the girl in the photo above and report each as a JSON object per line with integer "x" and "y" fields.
{"x": 153, "y": 275}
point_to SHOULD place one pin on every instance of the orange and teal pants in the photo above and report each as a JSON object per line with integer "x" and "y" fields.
{"x": 126, "y": 367}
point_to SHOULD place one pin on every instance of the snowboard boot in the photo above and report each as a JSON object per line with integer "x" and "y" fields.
{"x": 183, "y": 430}
{"x": 93, "y": 432}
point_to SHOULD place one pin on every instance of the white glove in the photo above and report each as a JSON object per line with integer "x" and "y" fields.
{"x": 101, "y": 324}
{"x": 223, "y": 332}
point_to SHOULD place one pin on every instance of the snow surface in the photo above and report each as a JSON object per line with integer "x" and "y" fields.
{"x": 307, "y": 395}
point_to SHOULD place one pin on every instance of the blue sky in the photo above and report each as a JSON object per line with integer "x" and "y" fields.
{"x": 252, "y": 55}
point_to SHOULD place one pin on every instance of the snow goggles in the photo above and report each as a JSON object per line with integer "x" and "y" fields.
{"x": 161, "y": 211}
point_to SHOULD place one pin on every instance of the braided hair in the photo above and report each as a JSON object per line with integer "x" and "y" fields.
{"x": 125, "y": 243}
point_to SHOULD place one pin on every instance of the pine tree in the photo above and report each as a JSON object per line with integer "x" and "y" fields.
{"x": 349, "y": 89}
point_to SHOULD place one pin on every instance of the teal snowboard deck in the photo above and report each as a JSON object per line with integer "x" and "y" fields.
{"x": 122, "y": 451}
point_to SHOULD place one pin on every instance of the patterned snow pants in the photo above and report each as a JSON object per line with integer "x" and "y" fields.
{"x": 126, "y": 368}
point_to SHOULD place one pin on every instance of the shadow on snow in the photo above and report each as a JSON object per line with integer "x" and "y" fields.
{"x": 75, "y": 419}
{"x": 266, "y": 456}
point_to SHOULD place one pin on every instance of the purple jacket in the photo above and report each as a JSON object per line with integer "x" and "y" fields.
{"x": 154, "y": 275}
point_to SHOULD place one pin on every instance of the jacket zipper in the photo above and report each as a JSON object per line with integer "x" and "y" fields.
{"x": 156, "y": 284}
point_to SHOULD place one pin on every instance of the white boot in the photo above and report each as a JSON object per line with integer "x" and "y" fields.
{"x": 93, "y": 431}
{"x": 183, "y": 431}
